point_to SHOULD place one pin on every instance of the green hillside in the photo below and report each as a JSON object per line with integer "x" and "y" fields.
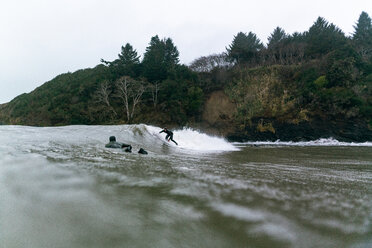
{"x": 298, "y": 86}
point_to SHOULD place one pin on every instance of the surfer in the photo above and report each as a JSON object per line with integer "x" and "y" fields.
{"x": 169, "y": 135}
{"x": 114, "y": 144}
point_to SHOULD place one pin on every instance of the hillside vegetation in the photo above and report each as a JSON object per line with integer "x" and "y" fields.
{"x": 298, "y": 86}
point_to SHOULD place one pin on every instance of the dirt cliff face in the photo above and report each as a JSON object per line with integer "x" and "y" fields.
{"x": 218, "y": 113}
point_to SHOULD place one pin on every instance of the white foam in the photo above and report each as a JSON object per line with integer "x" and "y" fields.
{"x": 191, "y": 139}
{"x": 239, "y": 212}
{"x": 318, "y": 142}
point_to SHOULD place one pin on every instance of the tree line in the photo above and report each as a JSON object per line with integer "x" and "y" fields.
{"x": 159, "y": 80}
{"x": 320, "y": 71}
{"x": 287, "y": 49}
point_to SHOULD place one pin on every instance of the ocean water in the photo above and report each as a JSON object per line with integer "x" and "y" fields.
{"x": 60, "y": 187}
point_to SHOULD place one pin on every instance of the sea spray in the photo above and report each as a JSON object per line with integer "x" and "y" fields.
{"x": 194, "y": 140}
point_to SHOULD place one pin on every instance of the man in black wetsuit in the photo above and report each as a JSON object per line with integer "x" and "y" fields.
{"x": 114, "y": 144}
{"x": 169, "y": 135}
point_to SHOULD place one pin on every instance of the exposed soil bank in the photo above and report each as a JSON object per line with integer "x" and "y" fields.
{"x": 218, "y": 119}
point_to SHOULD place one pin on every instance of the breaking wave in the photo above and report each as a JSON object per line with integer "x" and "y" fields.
{"x": 139, "y": 135}
{"x": 189, "y": 139}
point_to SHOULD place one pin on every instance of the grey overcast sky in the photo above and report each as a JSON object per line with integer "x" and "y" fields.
{"x": 41, "y": 39}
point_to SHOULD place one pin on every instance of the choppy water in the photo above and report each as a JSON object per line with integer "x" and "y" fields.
{"x": 59, "y": 187}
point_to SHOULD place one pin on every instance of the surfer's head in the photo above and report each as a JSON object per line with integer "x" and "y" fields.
{"x": 112, "y": 138}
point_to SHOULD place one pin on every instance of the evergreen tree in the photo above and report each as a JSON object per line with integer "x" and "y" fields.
{"x": 153, "y": 61}
{"x": 171, "y": 53}
{"x": 362, "y": 37}
{"x": 129, "y": 61}
{"x": 323, "y": 38}
{"x": 277, "y": 50}
{"x": 127, "y": 64}
{"x": 160, "y": 58}
{"x": 128, "y": 55}
{"x": 276, "y": 37}
{"x": 244, "y": 48}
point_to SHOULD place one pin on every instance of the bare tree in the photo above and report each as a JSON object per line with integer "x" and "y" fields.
{"x": 154, "y": 88}
{"x": 102, "y": 95}
{"x": 130, "y": 92}
{"x": 200, "y": 65}
{"x": 208, "y": 63}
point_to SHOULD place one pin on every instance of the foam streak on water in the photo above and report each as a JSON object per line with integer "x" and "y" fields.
{"x": 60, "y": 187}
{"x": 319, "y": 142}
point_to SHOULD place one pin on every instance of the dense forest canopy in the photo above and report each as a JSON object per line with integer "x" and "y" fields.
{"x": 318, "y": 74}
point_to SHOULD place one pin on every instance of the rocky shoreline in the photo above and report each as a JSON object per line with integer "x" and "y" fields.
{"x": 346, "y": 131}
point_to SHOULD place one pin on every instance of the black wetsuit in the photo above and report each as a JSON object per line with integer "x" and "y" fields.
{"x": 114, "y": 144}
{"x": 169, "y": 135}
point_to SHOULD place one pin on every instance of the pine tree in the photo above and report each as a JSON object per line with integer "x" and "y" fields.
{"x": 276, "y": 37}
{"x": 244, "y": 48}
{"x": 276, "y": 47}
{"x": 362, "y": 37}
{"x": 128, "y": 55}
{"x": 153, "y": 61}
{"x": 160, "y": 58}
{"x": 323, "y": 38}
{"x": 171, "y": 53}
{"x": 127, "y": 63}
